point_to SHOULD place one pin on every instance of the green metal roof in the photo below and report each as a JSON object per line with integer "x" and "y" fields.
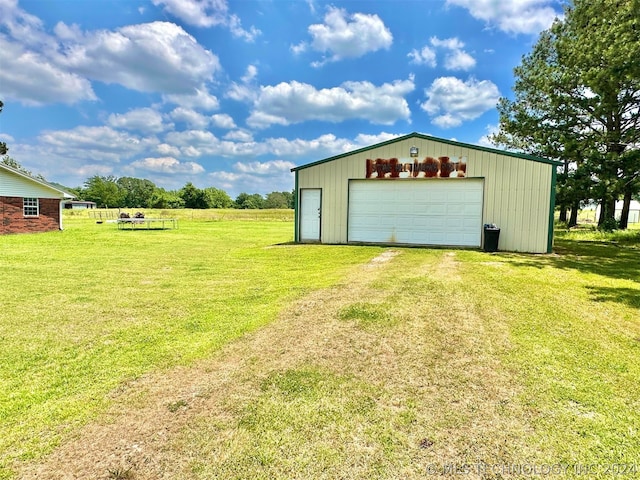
{"x": 421, "y": 136}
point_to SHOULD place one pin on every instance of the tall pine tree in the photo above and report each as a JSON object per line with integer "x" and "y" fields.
{"x": 577, "y": 99}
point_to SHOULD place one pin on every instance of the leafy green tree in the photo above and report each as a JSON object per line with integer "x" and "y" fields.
{"x": 105, "y": 191}
{"x": 218, "y": 198}
{"x": 577, "y": 97}
{"x": 162, "y": 198}
{"x": 77, "y": 192}
{"x": 194, "y": 197}
{"x": 137, "y": 192}
{"x": 278, "y": 200}
{"x": 246, "y": 201}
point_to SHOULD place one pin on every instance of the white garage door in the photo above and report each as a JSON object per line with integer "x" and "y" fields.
{"x": 419, "y": 212}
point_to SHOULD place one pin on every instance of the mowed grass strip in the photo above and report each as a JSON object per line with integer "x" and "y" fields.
{"x": 90, "y": 308}
{"x": 455, "y": 363}
{"x": 397, "y": 375}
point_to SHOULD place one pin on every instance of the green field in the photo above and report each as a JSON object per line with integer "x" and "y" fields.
{"x": 430, "y": 360}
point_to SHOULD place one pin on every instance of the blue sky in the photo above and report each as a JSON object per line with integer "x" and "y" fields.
{"x": 232, "y": 94}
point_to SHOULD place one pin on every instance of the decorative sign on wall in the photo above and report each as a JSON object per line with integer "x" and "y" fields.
{"x": 430, "y": 167}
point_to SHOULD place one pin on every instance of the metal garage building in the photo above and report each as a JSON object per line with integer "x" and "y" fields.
{"x": 422, "y": 190}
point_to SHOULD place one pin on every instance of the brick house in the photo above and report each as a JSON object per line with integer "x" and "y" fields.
{"x": 27, "y": 204}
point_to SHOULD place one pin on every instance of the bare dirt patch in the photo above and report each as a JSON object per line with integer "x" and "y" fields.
{"x": 428, "y": 390}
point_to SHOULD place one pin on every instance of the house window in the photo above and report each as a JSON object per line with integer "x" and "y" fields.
{"x": 30, "y": 207}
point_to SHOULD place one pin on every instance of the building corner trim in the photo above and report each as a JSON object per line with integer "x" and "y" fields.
{"x": 552, "y": 208}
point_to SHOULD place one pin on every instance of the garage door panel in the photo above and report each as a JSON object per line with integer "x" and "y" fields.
{"x": 416, "y": 212}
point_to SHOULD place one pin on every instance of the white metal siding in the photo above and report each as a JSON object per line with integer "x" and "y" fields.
{"x": 418, "y": 212}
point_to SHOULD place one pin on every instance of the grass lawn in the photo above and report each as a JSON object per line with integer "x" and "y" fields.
{"x": 227, "y": 352}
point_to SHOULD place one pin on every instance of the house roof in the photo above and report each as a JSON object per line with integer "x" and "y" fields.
{"x": 435, "y": 139}
{"x": 63, "y": 193}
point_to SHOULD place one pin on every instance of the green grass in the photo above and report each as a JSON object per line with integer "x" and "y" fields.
{"x": 443, "y": 358}
{"x": 505, "y": 359}
{"x": 90, "y": 308}
{"x": 369, "y": 315}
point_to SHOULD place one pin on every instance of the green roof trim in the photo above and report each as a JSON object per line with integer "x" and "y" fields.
{"x": 422, "y": 136}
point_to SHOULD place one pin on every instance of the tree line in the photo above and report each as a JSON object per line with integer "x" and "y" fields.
{"x": 577, "y": 100}
{"x": 130, "y": 192}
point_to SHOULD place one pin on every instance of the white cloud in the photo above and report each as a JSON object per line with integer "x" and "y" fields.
{"x": 190, "y": 117}
{"x": 299, "y": 48}
{"x": 141, "y": 119}
{"x": 271, "y": 176}
{"x": 235, "y": 26}
{"x": 198, "y": 99}
{"x": 312, "y": 6}
{"x": 150, "y": 57}
{"x": 324, "y": 145}
{"x": 424, "y": 56}
{"x": 459, "y": 60}
{"x": 247, "y": 90}
{"x": 347, "y": 36}
{"x": 222, "y": 120}
{"x": 456, "y": 58}
{"x": 512, "y": 16}
{"x": 197, "y": 143}
{"x": 200, "y": 13}
{"x": 167, "y": 165}
{"x": 102, "y": 144}
{"x": 5, "y": 137}
{"x": 447, "y": 43}
{"x": 451, "y": 101}
{"x": 295, "y": 102}
{"x": 33, "y": 79}
{"x": 68, "y": 32}
{"x": 167, "y": 150}
{"x": 208, "y": 13}
{"x": 484, "y": 140}
{"x": 191, "y": 138}
{"x": 241, "y": 93}
{"x": 366, "y": 140}
{"x": 238, "y": 143}
{"x": 250, "y": 74}
{"x": 265, "y": 168}
{"x": 239, "y": 136}
{"x": 25, "y": 28}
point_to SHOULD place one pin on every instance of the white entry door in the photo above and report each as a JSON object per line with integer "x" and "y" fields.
{"x": 419, "y": 212}
{"x": 310, "y": 212}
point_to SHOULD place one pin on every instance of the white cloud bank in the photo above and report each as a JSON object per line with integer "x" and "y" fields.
{"x": 145, "y": 120}
{"x": 41, "y": 68}
{"x": 149, "y": 57}
{"x": 167, "y": 165}
{"x": 512, "y": 16}
{"x": 295, "y": 102}
{"x": 344, "y": 35}
{"x": 451, "y": 101}
{"x": 455, "y": 57}
{"x": 208, "y": 13}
